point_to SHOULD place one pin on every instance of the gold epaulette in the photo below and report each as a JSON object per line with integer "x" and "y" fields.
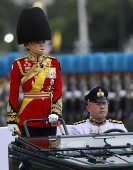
{"x": 19, "y": 58}
{"x": 49, "y": 56}
{"x": 115, "y": 121}
{"x": 79, "y": 122}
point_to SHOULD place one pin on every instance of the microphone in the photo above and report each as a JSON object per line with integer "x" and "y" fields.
{"x": 37, "y": 49}
{"x": 41, "y": 65}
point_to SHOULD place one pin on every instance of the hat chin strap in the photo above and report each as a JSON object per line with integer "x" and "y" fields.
{"x": 42, "y": 51}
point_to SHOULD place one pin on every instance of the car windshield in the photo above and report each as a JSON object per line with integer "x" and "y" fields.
{"x": 89, "y": 142}
{"x": 93, "y": 150}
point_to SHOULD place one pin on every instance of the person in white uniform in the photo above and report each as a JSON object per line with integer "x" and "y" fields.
{"x": 97, "y": 106}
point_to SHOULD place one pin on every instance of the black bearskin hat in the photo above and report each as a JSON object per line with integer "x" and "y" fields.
{"x": 32, "y": 26}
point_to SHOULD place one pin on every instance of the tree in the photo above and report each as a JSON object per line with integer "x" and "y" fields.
{"x": 64, "y": 19}
{"x": 9, "y": 12}
{"x": 110, "y": 23}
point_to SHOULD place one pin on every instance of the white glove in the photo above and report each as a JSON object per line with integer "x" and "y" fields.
{"x": 14, "y": 128}
{"x": 53, "y": 118}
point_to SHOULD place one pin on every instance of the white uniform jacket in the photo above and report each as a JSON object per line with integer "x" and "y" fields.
{"x": 85, "y": 127}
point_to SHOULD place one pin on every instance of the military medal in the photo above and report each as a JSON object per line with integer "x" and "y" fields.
{"x": 99, "y": 130}
{"x": 91, "y": 131}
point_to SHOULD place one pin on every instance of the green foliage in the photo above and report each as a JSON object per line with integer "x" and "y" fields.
{"x": 103, "y": 26}
{"x": 63, "y": 17}
{"x": 110, "y": 22}
{"x": 9, "y": 12}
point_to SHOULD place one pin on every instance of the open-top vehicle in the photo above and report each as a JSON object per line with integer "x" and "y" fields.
{"x": 66, "y": 152}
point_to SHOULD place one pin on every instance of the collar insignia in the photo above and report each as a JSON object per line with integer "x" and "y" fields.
{"x": 96, "y": 122}
{"x": 34, "y": 59}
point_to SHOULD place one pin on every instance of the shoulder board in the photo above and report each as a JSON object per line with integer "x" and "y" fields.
{"x": 49, "y": 56}
{"x": 19, "y": 58}
{"x": 82, "y": 121}
{"x": 115, "y": 121}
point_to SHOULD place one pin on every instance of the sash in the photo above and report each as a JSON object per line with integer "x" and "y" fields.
{"x": 35, "y": 88}
{"x": 27, "y": 75}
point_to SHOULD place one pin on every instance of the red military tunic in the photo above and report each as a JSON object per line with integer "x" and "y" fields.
{"x": 42, "y": 87}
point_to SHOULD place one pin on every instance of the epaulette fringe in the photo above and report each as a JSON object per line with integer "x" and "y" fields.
{"x": 79, "y": 122}
{"x": 115, "y": 121}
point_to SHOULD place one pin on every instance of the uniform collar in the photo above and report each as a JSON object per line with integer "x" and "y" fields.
{"x": 34, "y": 58}
{"x": 96, "y": 122}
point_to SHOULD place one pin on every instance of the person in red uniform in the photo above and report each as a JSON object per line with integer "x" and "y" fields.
{"x": 38, "y": 75}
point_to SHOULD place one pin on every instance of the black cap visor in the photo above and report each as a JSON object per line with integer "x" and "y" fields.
{"x": 101, "y": 100}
